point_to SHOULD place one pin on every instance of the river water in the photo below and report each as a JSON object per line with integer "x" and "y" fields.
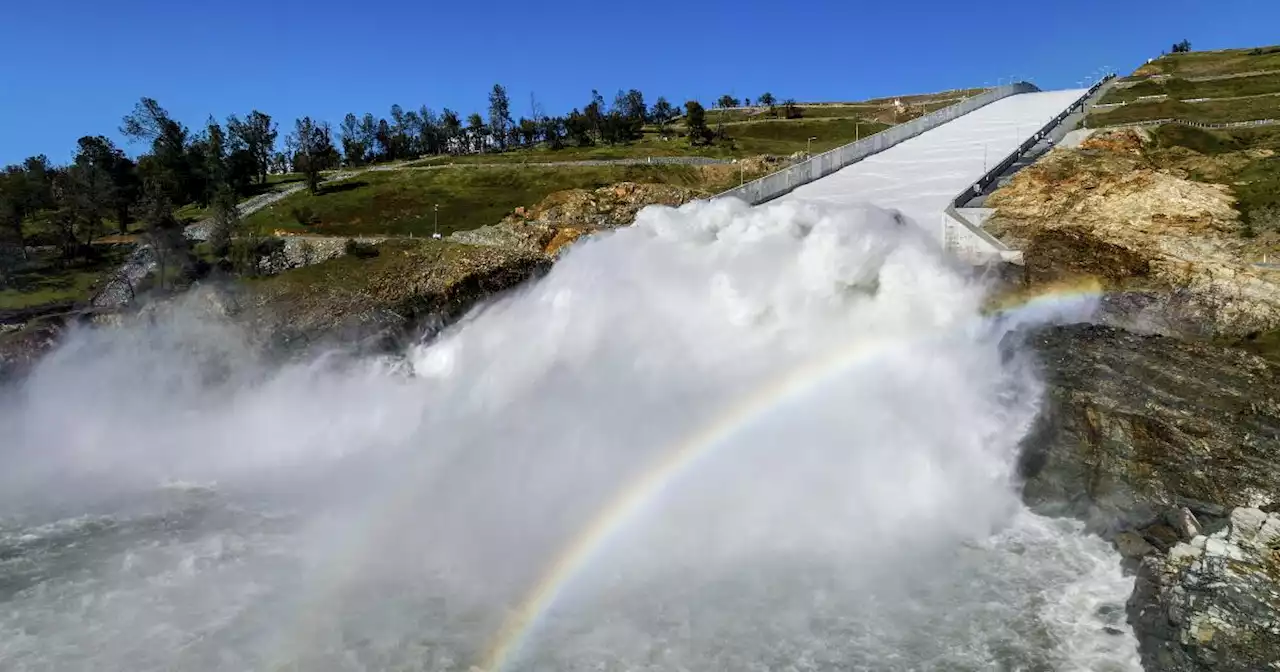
{"x": 775, "y": 438}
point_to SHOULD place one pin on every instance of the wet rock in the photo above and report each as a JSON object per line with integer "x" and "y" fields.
{"x": 1161, "y": 536}
{"x": 1139, "y": 425}
{"x": 1172, "y": 450}
{"x": 1184, "y": 523}
{"x": 1214, "y": 603}
{"x": 1132, "y": 545}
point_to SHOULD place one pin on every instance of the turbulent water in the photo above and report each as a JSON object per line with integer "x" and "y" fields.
{"x": 170, "y": 502}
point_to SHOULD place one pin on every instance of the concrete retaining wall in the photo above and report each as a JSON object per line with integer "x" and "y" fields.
{"x": 777, "y": 184}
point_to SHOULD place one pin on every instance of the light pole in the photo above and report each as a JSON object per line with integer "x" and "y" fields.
{"x": 436, "y": 211}
{"x": 808, "y": 147}
{"x": 857, "y": 130}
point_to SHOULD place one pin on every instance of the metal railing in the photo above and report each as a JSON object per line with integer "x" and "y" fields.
{"x": 1008, "y": 161}
{"x": 816, "y": 167}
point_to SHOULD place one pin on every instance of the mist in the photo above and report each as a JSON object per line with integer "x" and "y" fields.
{"x": 170, "y": 499}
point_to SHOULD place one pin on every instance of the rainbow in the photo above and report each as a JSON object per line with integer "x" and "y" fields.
{"x": 649, "y": 486}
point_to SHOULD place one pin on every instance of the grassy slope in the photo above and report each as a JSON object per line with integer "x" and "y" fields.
{"x": 1213, "y": 111}
{"x": 1210, "y": 63}
{"x": 787, "y": 136}
{"x": 1182, "y": 89}
{"x": 649, "y": 145}
{"x": 1256, "y": 183}
{"x": 401, "y": 202}
{"x": 44, "y": 280}
{"x": 1178, "y": 88}
{"x": 832, "y": 123}
{"x": 407, "y": 280}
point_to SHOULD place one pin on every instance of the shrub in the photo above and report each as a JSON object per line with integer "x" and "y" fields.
{"x": 246, "y": 254}
{"x": 1265, "y": 219}
{"x": 360, "y": 250}
{"x": 1197, "y": 139}
{"x": 304, "y": 215}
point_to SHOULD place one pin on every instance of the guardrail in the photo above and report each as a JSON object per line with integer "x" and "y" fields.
{"x": 784, "y": 181}
{"x": 1197, "y": 124}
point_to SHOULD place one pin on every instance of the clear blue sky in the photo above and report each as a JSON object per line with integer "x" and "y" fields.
{"x": 75, "y": 67}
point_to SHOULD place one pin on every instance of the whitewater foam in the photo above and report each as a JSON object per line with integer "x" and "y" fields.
{"x": 363, "y": 518}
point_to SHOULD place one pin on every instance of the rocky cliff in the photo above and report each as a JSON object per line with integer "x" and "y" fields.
{"x": 1172, "y": 450}
{"x": 564, "y": 216}
{"x": 1116, "y": 209}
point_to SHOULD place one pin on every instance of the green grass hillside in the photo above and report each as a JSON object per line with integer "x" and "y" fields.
{"x": 1210, "y": 111}
{"x": 787, "y": 136}
{"x": 44, "y": 278}
{"x": 1185, "y": 89}
{"x": 1212, "y": 63}
{"x": 401, "y": 202}
{"x": 1227, "y": 86}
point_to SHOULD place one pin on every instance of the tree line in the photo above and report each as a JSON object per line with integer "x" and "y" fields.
{"x": 413, "y": 133}
{"x": 220, "y": 163}
{"x": 213, "y": 168}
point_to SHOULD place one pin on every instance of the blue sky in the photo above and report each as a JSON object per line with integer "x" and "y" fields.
{"x": 75, "y": 67}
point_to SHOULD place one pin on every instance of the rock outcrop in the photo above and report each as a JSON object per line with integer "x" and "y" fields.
{"x": 1172, "y": 450}
{"x": 378, "y": 302}
{"x": 1113, "y": 210}
{"x": 564, "y": 216}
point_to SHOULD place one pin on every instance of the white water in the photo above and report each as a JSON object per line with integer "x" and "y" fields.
{"x": 168, "y": 502}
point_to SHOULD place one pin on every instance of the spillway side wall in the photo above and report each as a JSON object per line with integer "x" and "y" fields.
{"x": 818, "y": 166}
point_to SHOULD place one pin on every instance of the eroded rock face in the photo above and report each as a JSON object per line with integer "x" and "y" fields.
{"x": 1171, "y": 449}
{"x": 1136, "y": 425}
{"x": 378, "y": 303}
{"x": 564, "y": 216}
{"x": 1115, "y": 210}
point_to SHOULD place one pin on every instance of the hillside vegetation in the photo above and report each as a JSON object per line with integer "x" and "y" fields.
{"x": 1184, "y": 89}
{"x": 66, "y": 228}
{"x": 1209, "y": 111}
{"x": 1212, "y": 63}
{"x": 402, "y": 202}
{"x": 1227, "y": 86}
